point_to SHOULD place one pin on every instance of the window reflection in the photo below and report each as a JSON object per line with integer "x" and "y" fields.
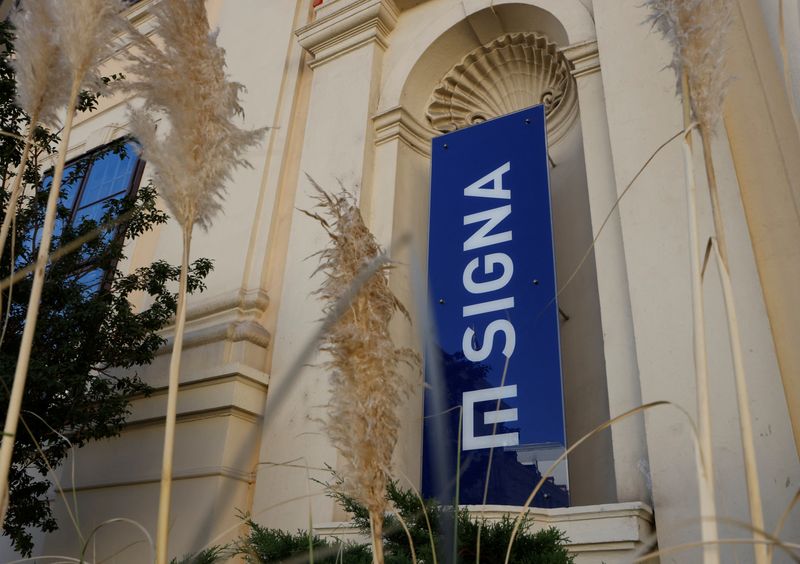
{"x": 89, "y": 185}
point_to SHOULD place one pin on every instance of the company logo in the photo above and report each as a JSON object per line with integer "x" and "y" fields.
{"x": 499, "y": 267}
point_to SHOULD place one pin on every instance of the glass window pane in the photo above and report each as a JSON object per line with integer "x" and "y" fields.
{"x": 85, "y": 197}
{"x": 91, "y": 280}
{"x": 70, "y": 183}
{"x": 110, "y": 175}
{"x": 94, "y": 212}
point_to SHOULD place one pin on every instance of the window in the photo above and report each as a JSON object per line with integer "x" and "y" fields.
{"x": 89, "y": 184}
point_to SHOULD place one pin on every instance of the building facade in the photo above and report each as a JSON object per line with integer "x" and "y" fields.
{"x": 354, "y": 91}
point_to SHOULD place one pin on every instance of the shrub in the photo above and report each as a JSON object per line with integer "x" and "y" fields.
{"x": 263, "y": 545}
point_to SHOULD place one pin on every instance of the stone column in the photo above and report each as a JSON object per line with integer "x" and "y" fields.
{"x": 624, "y": 392}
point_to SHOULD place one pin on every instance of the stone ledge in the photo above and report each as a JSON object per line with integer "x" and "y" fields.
{"x": 584, "y": 56}
{"x": 235, "y": 386}
{"x": 155, "y": 478}
{"x": 232, "y": 317}
{"x": 597, "y": 533}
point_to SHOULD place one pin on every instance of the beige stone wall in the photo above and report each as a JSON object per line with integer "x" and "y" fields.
{"x": 643, "y": 112}
{"x": 345, "y": 87}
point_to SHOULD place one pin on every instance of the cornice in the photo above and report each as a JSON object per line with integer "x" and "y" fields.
{"x": 585, "y": 58}
{"x": 229, "y": 317}
{"x": 245, "y": 301}
{"x": 396, "y": 123}
{"x": 344, "y": 25}
{"x": 402, "y": 4}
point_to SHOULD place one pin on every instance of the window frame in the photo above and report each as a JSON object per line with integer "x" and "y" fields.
{"x": 130, "y": 191}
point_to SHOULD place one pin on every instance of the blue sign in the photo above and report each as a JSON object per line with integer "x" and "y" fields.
{"x": 494, "y": 411}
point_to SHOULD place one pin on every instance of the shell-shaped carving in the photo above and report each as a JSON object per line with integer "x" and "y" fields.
{"x": 513, "y": 72}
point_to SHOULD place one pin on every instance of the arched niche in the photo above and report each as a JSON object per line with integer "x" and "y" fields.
{"x": 402, "y": 177}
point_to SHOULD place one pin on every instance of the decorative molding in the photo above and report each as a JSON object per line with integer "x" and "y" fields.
{"x": 244, "y": 392}
{"x": 513, "y": 72}
{"x": 585, "y": 58}
{"x": 396, "y": 123}
{"x": 232, "y": 317}
{"x": 154, "y": 478}
{"x": 236, "y": 331}
{"x": 345, "y": 25}
{"x": 402, "y": 4}
{"x": 246, "y": 301}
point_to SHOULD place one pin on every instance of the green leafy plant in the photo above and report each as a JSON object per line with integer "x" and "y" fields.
{"x": 423, "y": 519}
{"x": 263, "y": 545}
{"x": 211, "y": 555}
{"x": 89, "y": 342}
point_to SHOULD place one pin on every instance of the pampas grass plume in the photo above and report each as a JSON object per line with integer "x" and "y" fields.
{"x": 85, "y": 31}
{"x": 43, "y": 78}
{"x": 697, "y": 30}
{"x": 186, "y": 82}
{"x": 366, "y": 386}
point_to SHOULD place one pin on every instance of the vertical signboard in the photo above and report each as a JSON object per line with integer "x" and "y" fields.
{"x": 494, "y": 415}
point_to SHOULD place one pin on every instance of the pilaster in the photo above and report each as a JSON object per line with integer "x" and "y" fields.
{"x": 347, "y": 41}
{"x": 624, "y": 393}
{"x": 344, "y": 25}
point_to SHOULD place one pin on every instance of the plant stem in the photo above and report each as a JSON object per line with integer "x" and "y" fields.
{"x": 745, "y": 419}
{"x": 16, "y": 190}
{"x": 376, "y": 528}
{"x": 711, "y": 177}
{"x": 742, "y": 396}
{"x": 705, "y": 463}
{"x": 549, "y": 472}
{"x": 162, "y": 531}
{"x": 16, "y": 186}
{"x": 23, "y": 360}
{"x": 488, "y": 472}
{"x": 408, "y": 536}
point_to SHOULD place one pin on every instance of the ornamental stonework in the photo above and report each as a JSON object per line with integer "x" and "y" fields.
{"x": 515, "y": 71}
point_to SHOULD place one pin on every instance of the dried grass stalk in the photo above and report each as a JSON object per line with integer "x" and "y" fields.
{"x": 697, "y": 31}
{"x": 185, "y": 82}
{"x": 366, "y": 386}
{"x": 705, "y": 464}
{"x": 83, "y": 32}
